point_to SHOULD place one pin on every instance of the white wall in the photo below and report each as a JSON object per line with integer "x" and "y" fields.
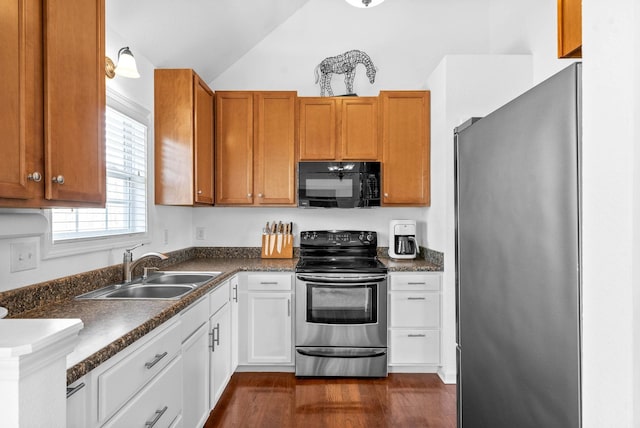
{"x": 405, "y": 39}
{"x": 462, "y": 86}
{"x": 242, "y": 227}
{"x": 527, "y": 27}
{"x": 611, "y": 332}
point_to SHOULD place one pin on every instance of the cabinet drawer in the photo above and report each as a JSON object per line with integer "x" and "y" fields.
{"x": 280, "y": 282}
{"x": 117, "y": 385}
{"x": 159, "y": 401}
{"x": 218, "y": 297}
{"x": 418, "y": 282}
{"x": 194, "y": 317}
{"x": 414, "y": 347}
{"x": 414, "y": 309}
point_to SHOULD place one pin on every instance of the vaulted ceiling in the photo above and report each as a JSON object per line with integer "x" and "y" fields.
{"x": 189, "y": 33}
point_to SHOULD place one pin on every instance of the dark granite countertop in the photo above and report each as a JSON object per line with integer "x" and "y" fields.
{"x": 110, "y": 326}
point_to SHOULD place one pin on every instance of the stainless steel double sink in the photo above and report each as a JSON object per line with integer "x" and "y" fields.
{"x": 171, "y": 285}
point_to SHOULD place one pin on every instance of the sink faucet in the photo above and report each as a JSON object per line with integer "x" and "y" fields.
{"x": 129, "y": 265}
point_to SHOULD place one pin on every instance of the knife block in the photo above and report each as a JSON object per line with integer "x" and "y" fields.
{"x": 271, "y": 244}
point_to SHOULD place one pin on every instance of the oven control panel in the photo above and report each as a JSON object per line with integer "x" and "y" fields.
{"x": 338, "y": 238}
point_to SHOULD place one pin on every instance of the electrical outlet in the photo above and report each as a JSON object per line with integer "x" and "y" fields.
{"x": 24, "y": 256}
{"x": 200, "y": 233}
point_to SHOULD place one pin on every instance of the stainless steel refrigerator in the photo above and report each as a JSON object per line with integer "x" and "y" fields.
{"x": 518, "y": 260}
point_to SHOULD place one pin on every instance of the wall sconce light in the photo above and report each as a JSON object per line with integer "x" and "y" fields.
{"x": 364, "y": 3}
{"x": 126, "y": 65}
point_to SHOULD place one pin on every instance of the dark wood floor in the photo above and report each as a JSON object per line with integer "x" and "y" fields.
{"x": 280, "y": 400}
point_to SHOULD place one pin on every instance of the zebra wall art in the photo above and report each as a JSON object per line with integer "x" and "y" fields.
{"x": 343, "y": 64}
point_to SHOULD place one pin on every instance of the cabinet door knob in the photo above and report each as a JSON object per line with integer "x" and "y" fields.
{"x": 386, "y": 195}
{"x": 260, "y": 195}
{"x": 249, "y": 195}
{"x": 58, "y": 179}
{"x": 199, "y": 192}
{"x": 34, "y": 176}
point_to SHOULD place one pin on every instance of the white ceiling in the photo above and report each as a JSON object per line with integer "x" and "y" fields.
{"x": 206, "y": 35}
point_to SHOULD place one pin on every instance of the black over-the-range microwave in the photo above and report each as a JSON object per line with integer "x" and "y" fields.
{"x": 339, "y": 184}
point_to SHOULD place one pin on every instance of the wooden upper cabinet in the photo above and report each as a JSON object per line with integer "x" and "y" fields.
{"x": 318, "y": 128}
{"x": 359, "y": 128}
{"x": 405, "y": 141}
{"x": 183, "y": 108}
{"x": 21, "y": 150}
{"x": 275, "y": 144}
{"x": 336, "y": 128}
{"x": 569, "y": 28}
{"x": 53, "y": 103}
{"x": 234, "y": 148}
{"x": 255, "y": 148}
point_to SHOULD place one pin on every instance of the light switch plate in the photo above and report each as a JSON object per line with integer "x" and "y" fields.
{"x": 24, "y": 256}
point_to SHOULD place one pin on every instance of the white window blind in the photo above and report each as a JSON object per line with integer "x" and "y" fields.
{"x": 126, "y": 205}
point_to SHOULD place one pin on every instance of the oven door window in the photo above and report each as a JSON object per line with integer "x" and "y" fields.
{"x": 336, "y": 304}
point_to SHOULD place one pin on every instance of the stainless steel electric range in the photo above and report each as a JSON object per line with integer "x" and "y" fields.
{"x": 341, "y": 305}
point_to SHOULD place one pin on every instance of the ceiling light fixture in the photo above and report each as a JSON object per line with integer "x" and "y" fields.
{"x": 364, "y": 3}
{"x": 126, "y": 65}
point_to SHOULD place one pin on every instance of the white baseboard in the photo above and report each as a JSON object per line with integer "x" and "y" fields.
{"x": 447, "y": 377}
{"x": 259, "y": 368}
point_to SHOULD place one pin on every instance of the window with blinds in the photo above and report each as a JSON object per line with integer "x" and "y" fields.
{"x": 126, "y": 207}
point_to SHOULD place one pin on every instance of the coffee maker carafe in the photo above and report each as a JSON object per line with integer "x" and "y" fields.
{"x": 402, "y": 239}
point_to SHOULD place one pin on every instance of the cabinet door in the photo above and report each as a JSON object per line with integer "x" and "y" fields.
{"x": 158, "y": 404}
{"x": 414, "y": 309}
{"x": 405, "y": 140}
{"x": 234, "y": 148}
{"x": 569, "y": 28}
{"x": 203, "y": 119}
{"x": 317, "y": 128}
{"x": 77, "y": 403}
{"x": 275, "y": 148}
{"x": 195, "y": 381}
{"x": 269, "y": 335}
{"x": 235, "y": 322}
{"x": 220, "y": 331}
{"x": 359, "y": 128}
{"x": 414, "y": 347}
{"x": 74, "y": 100}
{"x": 174, "y": 132}
{"x": 21, "y": 106}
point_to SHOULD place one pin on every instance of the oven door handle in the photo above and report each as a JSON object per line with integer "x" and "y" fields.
{"x": 342, "y": 279}
{"x": 337, "y": 353}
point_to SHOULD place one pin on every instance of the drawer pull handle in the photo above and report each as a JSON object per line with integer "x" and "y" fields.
{"x": 417, "y": 283}
{"x": 155, "y": 360}
{"x": 215, "y": 339}
{"x": 416, "y": 298}
{"x": 417, "y": 335}
{"x": 289, "y": 308}
{"x": 156, "y": 418}
{"x": 73, "y": 390}
{"x": 268, "y": 282}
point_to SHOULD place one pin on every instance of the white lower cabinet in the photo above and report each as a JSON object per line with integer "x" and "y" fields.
{"x": 195, "y": 363}
{"x": 234, "y": 300}
{"x": 220, "y": 357}
{"x": 157, "y": 405}
{"x": 414, "y": 321}
{"x": 266, "y": 319}
{"x": 77, "y": 403}
{"x": 269, "y": 339}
